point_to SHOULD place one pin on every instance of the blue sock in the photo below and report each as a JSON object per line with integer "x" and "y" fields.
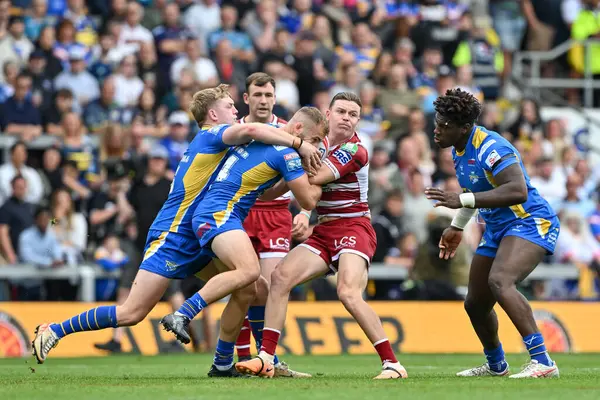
{"x": 256, "y": 317}
{"x": 91, "y": 320}
{"x": 192, "y": 306}
{"x": 537, "y": 349}
{"x": 495, "y": 359}
{"x": 224, "y": 355}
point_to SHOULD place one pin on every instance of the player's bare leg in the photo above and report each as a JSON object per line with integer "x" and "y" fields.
{"x": 352, "y": 282}
{"x": 299, "y": 266}
{"x": 479, "y": 305}
{"x": 146, "y": 292}
{"x": 515, "y": 260}
{"x": 257, "y": 317}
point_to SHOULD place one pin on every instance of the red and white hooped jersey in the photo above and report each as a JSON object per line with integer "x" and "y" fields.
{"x": 346, "y": 197}
{"x": 283, "y": 201}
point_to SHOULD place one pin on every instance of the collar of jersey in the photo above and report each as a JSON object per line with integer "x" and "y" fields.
{"x": 462, "y": 153}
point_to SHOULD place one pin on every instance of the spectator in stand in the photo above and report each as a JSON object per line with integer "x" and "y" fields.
{"x": 576, "y": 245}
{"x": 16, "y": 215}
{"x": 445, "y": 169}
{"x": 201, "y": 17}
{"x": 260, "y": 24}
{"x": 128, "y": 85}
{"x": 111, "y": 258}
{"x": 78, "y": 147}
{"x": 18, "y": 115}
{"x": 17, "y": 167}
{"x": 529, "y": 126}
{"x": 549, "y": 181}
{"x": 510, "y": 25}
{"x": 203, "y": 69}
{"x": 50, "y": 173}
{"x": 7, "y": 88}
{"x": 7, "y": 50}
{"x": 170, "y": 40}
{"x": 445, "y": 81}
{"x": 573, "y": 202}
{"x": 372, "y": 121}
{"x": 153, "y": 14}
{"x": 396, "y": 100}
{"x": 85, "y": 27}
{"x": 114, "y": 145}
{"x": 41, "y": 90}
{"x": 78, "y": 80}
{"x": 154, "y": 123}
{"x": 21, "y": 44}
{"x": 555, "y": 140}
{"x": 417, "y": 205}
{"x": 231, "y": 69}
{"x": 389, "y": 225}
{"x": 52, "y": 117}
{"x": 349, "y": 79}
{"x": 176, "y": 143}
{"x": 38, "y": 246}
{"x": 383, "y": 177}
{"x": 106, "y": 56}
{"x": 427, "y": 74}
{"x": 105, "y": 109}
{"x": 45, "y": 43}
{"x": 240, "y": 42}
{"x": 38, "y": 19}
{"x": 363, "y": 51}
{"x": 464, "y": 81}
{"x": 132, "y": 32}
{"x": 66, "y": 44}
{"x": 109, "y": 208}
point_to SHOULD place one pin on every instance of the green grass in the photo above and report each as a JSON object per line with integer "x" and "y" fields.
{"x": 174, "y": 377}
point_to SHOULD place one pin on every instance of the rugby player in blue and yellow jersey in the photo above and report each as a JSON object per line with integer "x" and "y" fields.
{"x": 248, "y": 171}
{"x": 521, "y": 229}
{"x": 172, "y": 249}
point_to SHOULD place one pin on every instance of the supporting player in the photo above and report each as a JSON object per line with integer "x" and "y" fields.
{"x": 218, "y": 222}
{"x": 343, "y": 241}
{"x": 269, "y": 225}
{"x": 172, "y": 249}
{"x": 521, "y": 228}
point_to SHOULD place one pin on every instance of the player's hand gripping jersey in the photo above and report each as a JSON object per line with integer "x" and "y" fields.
{"x": 247, "y": 172}
{"x": 486, "y": 155}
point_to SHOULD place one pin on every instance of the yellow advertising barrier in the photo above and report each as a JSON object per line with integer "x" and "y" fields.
{"x": 322, "y": 328}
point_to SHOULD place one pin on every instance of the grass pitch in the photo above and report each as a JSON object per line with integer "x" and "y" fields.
{"x": 183, "y": 376}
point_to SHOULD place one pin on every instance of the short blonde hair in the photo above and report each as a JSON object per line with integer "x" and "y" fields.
{"x": 314, "y": 115}
{"x": 204, "y": 99}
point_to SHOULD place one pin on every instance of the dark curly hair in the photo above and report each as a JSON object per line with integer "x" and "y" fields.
{"x": 458, "y": 106}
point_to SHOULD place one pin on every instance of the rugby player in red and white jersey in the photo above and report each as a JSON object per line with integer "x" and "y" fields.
{"x": 344, "y": 242}
{"x": 269, "y": 223}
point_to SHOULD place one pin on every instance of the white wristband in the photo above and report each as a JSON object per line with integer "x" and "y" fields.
{"x": 467, "y": 200}
{"x": 305, "y": 214}
{"x": 462, "y": 218}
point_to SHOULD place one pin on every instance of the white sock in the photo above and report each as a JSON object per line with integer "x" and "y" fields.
{"x": 224, "y": 367}
{"x": 180, "y": 314}
{"x": 266, "y": 357}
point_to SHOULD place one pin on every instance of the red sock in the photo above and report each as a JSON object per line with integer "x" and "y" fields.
{"x": 270, "y": 339}
{"x": 242, "y": 344}
{"x": 384, "y": 349}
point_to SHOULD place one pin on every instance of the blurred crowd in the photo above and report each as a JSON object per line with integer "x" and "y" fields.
{"x": 110, "y": 83}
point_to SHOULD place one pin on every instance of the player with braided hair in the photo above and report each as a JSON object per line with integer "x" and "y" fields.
{"x": 521, "y": 228}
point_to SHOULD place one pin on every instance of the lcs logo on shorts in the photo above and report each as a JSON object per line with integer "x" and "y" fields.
{"x": 344, "y": 242}
{"x": 279, "y": 244}
{"x": 342, "y": 156}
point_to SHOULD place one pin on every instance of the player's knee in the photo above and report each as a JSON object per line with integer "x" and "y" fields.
{"x": 262, "y": 290}
{"x": 349, "y": 296}
{"x": 280, "y": 281}
{"x": 129, "y": 316}
{"x": 498, "y": 283}
{"x": 471, "y": 307}
{"x": 247, "y": 294}
{"x": 250, "y": 274}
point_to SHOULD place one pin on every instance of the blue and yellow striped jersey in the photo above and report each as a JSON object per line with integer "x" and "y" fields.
{"x": 478, "y": 164}
{"x": 194, "y": 174}
{"x": 247, "y": 172}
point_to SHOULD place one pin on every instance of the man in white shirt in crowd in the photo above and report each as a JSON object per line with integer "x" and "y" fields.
{"x": 203, "y": 69}
{"x": 16, "y": 166}
{"x": 132, "y": 32}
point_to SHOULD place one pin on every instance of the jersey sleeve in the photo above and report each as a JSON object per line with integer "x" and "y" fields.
{"x": 288, "y": 163}
{"x": 494, "y": 155}
{"x": 350, "y": 157}
{"x": 216, "y": 137}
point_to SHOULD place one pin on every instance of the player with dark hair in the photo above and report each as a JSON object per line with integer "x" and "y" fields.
{"x": 521, "y": 228}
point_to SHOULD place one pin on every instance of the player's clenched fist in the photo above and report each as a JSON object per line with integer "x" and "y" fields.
{"x": 449, "y": 242}
{"x": 311, "y": 157}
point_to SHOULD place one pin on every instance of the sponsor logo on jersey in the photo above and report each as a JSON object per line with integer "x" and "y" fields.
{"x": 279, "y": 148}
{"x": 342, "y": 156}
{"x": 492, "y": 158}
{"x": 473, "y": 178}
{"x": 291, "y": 156}
{"x": 14, "y": 341}
{"x": 351, "y": 148}
{"x": 293, "y": 164}
{"x": 485, "y": 147}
